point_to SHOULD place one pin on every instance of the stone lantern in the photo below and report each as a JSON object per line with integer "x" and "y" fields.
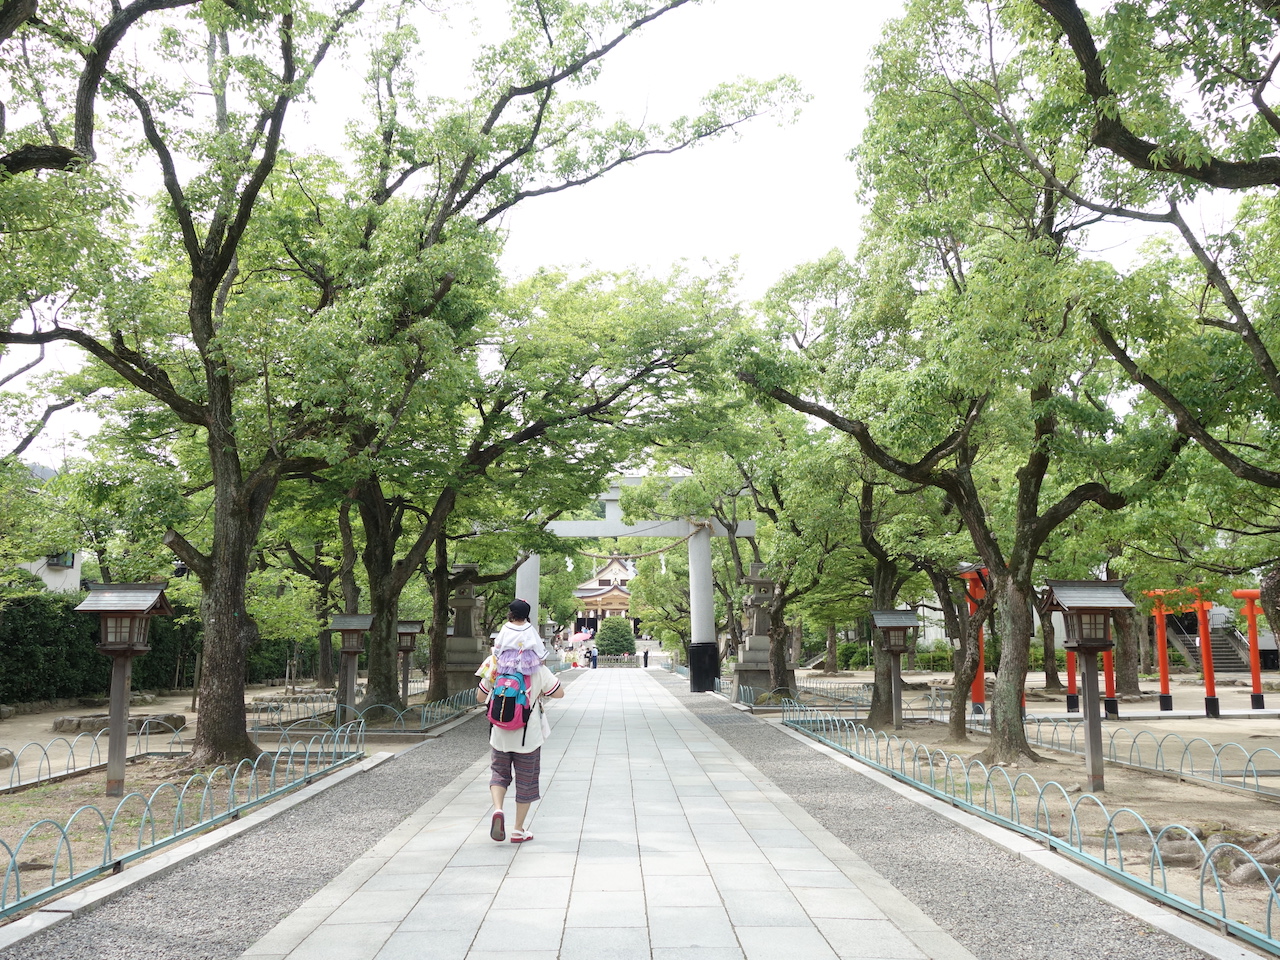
{"x": 752, "y": 668}
{"x": 465, "y": 649}
{"x": 125, "y": 610}
{"x": 407, "y": 631}
{"x": 897, "y": 628}
{"x": 1086, "y": 607}
{"x": 352, "y": 627}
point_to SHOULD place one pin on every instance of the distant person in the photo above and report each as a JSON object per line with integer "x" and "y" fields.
{"x": 646, "y": 657}
{"x": 595, "y": 657}
{"x": 516, "y": 753}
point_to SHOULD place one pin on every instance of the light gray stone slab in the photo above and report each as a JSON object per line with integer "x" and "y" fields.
{"x": 793, "y": 943}
{"x": 604, "y": 908}
{"x": 463, "y": 912}
{"x": 601, "y": 943}
{"x": 691, "y": 927}
{"x": 868, "y": 938}
{"x": 681, "y": 891}
{"x": 837, "y": 903}
{"x": 750, "y": 908}
{"x": 344, "y": 941}
{"x": 376, "y": 906}
{"x": 511, "y": 929}
{"x": 426, "y": 945}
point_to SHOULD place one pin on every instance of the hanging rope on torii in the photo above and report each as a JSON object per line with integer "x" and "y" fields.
{"x": 697, "y": 525}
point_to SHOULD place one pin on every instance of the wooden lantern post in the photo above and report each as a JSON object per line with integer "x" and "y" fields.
{"x": 1086, "y": 607}
{"x": 893, "y": 626}
{"x": 352, "y": 627}
{"x": 125, "y": 610}
{"x": 407, "y": 631}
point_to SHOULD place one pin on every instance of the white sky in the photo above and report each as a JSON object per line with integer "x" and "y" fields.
{"x": 774, "y": 197}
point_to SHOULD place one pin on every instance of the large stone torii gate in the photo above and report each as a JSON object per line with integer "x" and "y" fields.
{"x": 704, "y": 652}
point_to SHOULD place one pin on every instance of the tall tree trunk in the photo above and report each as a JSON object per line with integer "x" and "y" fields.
{"x": 1048, "y": 637}
{"x": 884, "y": 581}
{"x": 324, "y": 660}
{"x": 438, "y": 659}
{"x": 1146, "y": 655}
{"x": 380, "y": 536}
{"x": 1126, "y": 658}
{"x": 1008, "y": 734}
{"x": 831, "y": 665}
{"x": 229, "y": 632}
{"x": 955, "y": 616}
{"x": 1269, "y": 597}
{"x": 782, "y": 679}
{"x": 239, "y": 508}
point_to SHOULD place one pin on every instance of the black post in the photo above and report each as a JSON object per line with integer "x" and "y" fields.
{"x": 704, "y": 666}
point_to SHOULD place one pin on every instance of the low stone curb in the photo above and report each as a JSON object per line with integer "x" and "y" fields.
{"x": 97, "y": 893}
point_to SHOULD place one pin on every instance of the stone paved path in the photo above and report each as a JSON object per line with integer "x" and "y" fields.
{"x": 654, "y": 839}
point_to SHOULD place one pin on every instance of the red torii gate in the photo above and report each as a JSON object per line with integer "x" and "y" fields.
{"x": 975, "y": 578}
{"x": 1202, "y": 608}
{"x": 1251, "y": 611}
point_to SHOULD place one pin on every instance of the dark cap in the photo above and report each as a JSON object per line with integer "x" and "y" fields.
{"x": 519, "y": 609}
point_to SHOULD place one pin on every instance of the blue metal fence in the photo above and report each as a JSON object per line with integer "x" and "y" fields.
{"x": 51, "y": 857}
{"x": 1118, "y": 843}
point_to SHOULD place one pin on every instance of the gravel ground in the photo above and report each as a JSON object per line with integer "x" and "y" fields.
{"x": 998, "y": 907}
{"x": 215, "y": 907}
{"x": 220, "y": 904}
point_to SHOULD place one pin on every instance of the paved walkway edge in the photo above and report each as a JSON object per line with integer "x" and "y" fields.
{"x": 1121, "y": 898}
{"x": 914, "y": 923}
{"x": 294, "y": 928}
{"x": 99, "y": 892}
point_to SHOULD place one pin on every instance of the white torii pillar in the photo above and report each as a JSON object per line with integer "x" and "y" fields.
{"x": 704, "y": 652}
{"x": 528, "y": 581}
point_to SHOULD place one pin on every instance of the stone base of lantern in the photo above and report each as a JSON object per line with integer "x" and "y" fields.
{"x": 752, "y": 668}
{"x": 463, "y": 657}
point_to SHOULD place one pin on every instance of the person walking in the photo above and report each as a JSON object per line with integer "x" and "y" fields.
{"x": 646, "y": 658}
{"x": 516, "y": 754}
{"x": 595, "y": 657}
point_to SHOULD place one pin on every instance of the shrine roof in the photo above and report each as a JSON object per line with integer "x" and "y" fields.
{"x": 1071, "y": 595}
{"x": 895, "y": 618}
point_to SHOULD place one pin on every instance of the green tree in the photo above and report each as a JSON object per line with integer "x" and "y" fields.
{"x": 971, "y": 252}
{"x": 283, "y": 378}
{"x": 1172, "y": 100}
{"x": 615, "y": 637}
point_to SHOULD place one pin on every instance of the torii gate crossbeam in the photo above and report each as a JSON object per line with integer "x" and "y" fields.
{"x": 704, "y": 652}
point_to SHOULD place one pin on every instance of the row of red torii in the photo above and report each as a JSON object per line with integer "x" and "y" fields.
{"x": 1166, "y": 602}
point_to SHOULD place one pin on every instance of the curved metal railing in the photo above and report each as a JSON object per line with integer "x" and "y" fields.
{"x": 50, "y": 857}
{"x": 303, "y": 715}
{"x": 1170, "y": 864}
{"x": 61, "y": 757}
{"x": 1229, "y": 764}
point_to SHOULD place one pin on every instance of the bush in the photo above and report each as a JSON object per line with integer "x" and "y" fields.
{"x": 853, "y": 656}
{"x": 1036, "y": 660}
{"x": 48, "y": 651}
{"x": 615, "y": 637}
{"x": 934, "y": 660}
